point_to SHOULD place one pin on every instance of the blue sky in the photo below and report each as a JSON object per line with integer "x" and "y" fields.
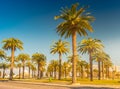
{"x": 32, "y": 21}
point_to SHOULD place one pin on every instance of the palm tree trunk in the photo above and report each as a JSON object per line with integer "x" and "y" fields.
{"x": 55, "y": 73}
{"x": 19, "y": 72}
{"x": 60, "y": 60}
{"x": 52, "y": 71}
{"x": 91, "y": 68}
{"x": 23, "y": 70}
{"x": 65, "y": 72}
{"x": 99, "y": 69}
{"x": 87, "y": 72}
{"x": 3, "y": 73}
{"x": 40, "y": 71}
{"x": 81, "y": 71}
{"x": 102, "y": 70}
{"x": 74, "y": 50}
{"x": 38, "y": 75}
{"x": 29, "y": 72}
{"x": 108, "y": 72}
{"x": 32, "y": 73}
{"x": 12, "y": 63}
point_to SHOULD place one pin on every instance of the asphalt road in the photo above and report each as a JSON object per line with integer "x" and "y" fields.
{"x": 17, "y": 85}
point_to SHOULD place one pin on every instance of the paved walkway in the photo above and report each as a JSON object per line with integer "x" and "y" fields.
{"x": 33, "y": 85}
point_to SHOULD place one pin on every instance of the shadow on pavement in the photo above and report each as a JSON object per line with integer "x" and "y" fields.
{"x": 3, "y": 80}
{"x": 91, "y": 88}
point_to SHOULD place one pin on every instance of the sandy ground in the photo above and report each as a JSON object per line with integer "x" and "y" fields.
{"x": 23, "y": 85}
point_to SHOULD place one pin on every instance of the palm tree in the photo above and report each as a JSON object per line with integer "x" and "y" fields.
{"x": 81, "y": 64}
{"x": 23, "y": 58}
{"x": 87, "y": 67}
{"x": 33, "y": 68}
{"x": 107, "y": 65}
{"x": 99, "y": 57}
{"x": 42, "y": 68}
{"x": 60, "y": 47}
{"x": 19, "y": 65}
{"x": 105, "y": 57}
{"x": 66, "y": 69}
{"x": 55, "y": 66}
{"x": 3, "y": 66}
{"x": 39, "y": 59}
{"x": 75, "y": 21}
{"x": 90, "y": 46}
{"x": 12, "y": 44}
{"x": 50, "y": 70}
{"x": 29, "y": 64}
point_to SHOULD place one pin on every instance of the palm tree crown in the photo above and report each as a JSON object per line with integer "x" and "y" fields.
{"x": 74, "y": 21}
{"x": 90, "y": 46}
{"x": 60, "y": 47}
{"x": 2, "y": 54}
{"x": 12, "y": 43}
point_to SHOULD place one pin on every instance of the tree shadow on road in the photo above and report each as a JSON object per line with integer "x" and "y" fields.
{"x": 87, "y": 87}
{"x": 3, "y": 80}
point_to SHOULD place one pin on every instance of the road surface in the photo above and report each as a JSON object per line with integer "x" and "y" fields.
{"x": 19, "y": 85}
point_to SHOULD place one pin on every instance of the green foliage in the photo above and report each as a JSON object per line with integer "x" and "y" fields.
{"x": 23, "y": 57}
{"x": 90, "y": 46}
{"x": 60, "y": 47}
{"x": 11, "y": 43}
{"x": 2, "y": 54}
{"x": 74, "y": 20}
{"x": 37, "y": 57}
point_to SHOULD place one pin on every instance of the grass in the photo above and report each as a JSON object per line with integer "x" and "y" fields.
{"x": 100, "y": 82}
{"x": 68, "y": 81}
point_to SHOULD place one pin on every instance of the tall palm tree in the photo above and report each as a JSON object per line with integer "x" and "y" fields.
{"x": 39, "y": 59}
{"x": 29, "y": 64}
{"x": 75, "y": 21}
{"x": 33, "y": 68}
{"x": 107, "y": 65}
{"x": 66, "y": 69}
{"x": 4, "y": 66}
{"x": 23, "y": 58}
{"x": 87, "y": 67}
{"x": 99, "y": 57}
{"x": 50, "y": 70}
{"x": 12, "y": 44}
{"x": 55, "y": 66}
{"x": 81, "y": 65}
{"x": 19, "y": 65}
{"x": 90, "y": 46}
{"x": 60, "y": 47}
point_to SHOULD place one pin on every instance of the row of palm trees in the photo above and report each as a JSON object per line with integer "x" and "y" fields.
{"x": 13, "y": 44}
{"x": 62, "y": 47}
{"x": 24, "y": 60}
{"x": 93, "y": 47}
{"x": 82, "y": 69}
{"x": 75, "y": 22}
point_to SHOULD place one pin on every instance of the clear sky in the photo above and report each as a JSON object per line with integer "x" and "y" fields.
{"x": 32, "y": 21}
